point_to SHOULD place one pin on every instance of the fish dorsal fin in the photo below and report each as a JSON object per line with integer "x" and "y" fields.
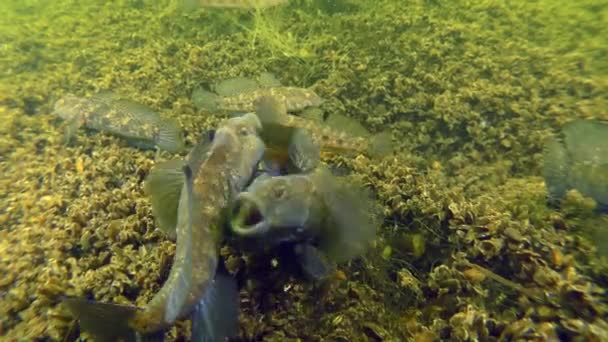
{"x": 124, "y": 104}
{"x": 200, "y": 150}
{"x": 235, "y": 86}
{"x": 268, "y": 80}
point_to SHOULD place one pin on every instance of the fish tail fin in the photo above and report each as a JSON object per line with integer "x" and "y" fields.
{"x": 103, "y": 321}
{"x": 164, "y": 185}
{"x": 380, "y": 144}
{"x": 215, "y": 316}
{"x": 170, "y": 137}
{"x": 555, "y": 169}
{"x": 204, "y": 99}
{"x": 352, "y": 224}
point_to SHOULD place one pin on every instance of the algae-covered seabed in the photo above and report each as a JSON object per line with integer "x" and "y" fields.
{"x": 469, "y": 90}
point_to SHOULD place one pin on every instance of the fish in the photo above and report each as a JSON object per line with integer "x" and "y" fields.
{"x": 245, "y": 4}
{"x": 109, "y": 112}
{"x": 214, "y": 172}
{"x": 290, "y": 151}
{"x": 239, "y": 95}
{"x": 278, "y": 124}
{"x": 577, "y": 158}
{"x": 325, "y": 219}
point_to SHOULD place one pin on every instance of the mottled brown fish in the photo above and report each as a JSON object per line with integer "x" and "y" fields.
{"x": 240, "y": 94}
{"x": 277, "y": 123}
{"x": 326, "y": 220}
{"x": 212, "y": 175}
{"x": 234, "y": 3}
{"x": 109, "y": 112}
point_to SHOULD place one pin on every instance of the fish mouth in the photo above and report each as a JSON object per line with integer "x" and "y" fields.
{"x": 248, "y": 218}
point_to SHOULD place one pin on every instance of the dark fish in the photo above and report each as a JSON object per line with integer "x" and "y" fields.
{"x": 577, "y": 158}
{"x": 327, "y": 220}
{"x": 213, "y": 173}
{"x": 109, "y": 112}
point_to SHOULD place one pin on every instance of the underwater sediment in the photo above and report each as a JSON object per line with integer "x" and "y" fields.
{"x": 469, "y": 247}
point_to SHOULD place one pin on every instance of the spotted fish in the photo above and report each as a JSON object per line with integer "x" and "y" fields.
{"x": 109, "y": 112}
{"x": 213, "y": 173}
{"x": 272, "y": 112}
{"x": 240, "y": 94}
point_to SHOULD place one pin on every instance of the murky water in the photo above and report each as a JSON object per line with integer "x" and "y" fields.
{"x": 469, "y": 243}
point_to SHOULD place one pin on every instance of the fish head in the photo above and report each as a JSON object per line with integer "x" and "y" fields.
{"x": 306, "y": 97}
{"x": 67, "y": 107}
{"x": 273, "y": 209}
{"x": 245, "y": 130}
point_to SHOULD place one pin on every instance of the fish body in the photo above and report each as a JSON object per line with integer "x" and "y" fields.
{"x": 273, "y": 110}
{"x": 577, "y": 158}
{"x": 247, "y": 4}
{"x": 323, "y": 217}
{"x": 294, "y": 98}
{"x": 109, "y": 112}
{"x": 214, "y": 173}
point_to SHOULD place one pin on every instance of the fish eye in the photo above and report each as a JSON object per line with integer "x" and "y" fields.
{"x": 243, "y": 131}
{"x": 279, "y": 192}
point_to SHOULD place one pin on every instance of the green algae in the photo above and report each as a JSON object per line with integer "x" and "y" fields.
{"x": 469, "y": 91}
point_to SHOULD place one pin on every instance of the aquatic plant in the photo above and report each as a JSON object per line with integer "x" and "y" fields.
{"x": 268, "y": 31}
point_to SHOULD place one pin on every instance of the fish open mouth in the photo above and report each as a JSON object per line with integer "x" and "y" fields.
{"x": 247, "y": 217}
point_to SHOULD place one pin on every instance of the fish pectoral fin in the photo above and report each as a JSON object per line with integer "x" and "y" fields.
{"x": 270, "y": 110}
{"x": 170, "y": 136}
{"x": 304, "y": 152}
{"x": 164, "y": 185}
{"x": 71, "y": 129}
{"x": 215, "y": 316}
{"x": 352, "y": 218}
{"x": 268, "y": 80}
{"x": 103, "y": 321}
{"x": 314, "y": 264}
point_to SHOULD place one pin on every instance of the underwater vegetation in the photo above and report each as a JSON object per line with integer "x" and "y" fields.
{"x": 469, "y": 248}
